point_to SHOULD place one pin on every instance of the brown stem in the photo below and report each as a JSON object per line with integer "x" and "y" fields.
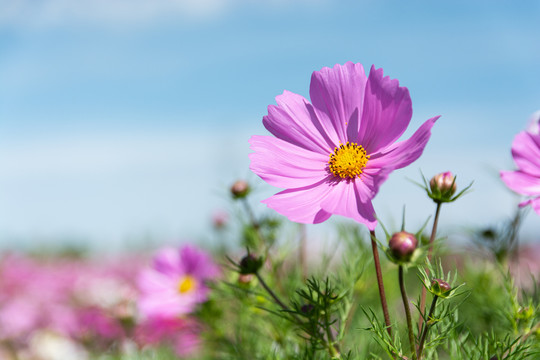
{"x": 380, "y": 282}
{"x": 430, "y": 254}
{"x": 434, "y": 230}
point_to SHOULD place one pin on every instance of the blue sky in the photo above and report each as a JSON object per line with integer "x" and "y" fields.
{"x": 120, "y": 118}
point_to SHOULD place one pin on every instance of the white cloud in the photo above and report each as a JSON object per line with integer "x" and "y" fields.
{"x": 120, "y": 12}
{"x": 50, "y": 13}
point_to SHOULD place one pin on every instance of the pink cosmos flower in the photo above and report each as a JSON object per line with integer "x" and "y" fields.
{"x": 175, "y": 284}
{"x": 181, "y": 334}
{"x": 95, "y": 321}
{"x": 525, "y": 180}
{"x": 71, "y": 297}
{"x": 331, "y": 155}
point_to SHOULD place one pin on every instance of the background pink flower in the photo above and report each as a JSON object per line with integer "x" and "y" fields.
{"x": 175, "y": 284}
{"x": 180, "y": 333}
{"x": 74, "y": 298}
{"x": 331, "y": 155}
{"x": 525, "y": 180}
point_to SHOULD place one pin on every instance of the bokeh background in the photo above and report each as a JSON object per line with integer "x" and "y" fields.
{"x": 124, "y": 121}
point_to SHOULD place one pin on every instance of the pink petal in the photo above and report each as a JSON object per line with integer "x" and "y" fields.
{"x": 337, "y": 95}
{"x": 404, "y": 152}
{"x": 302, "y": 204}
{"x": 167, "y": 261}
{"x": 19, "y": 316}
{"x": 353, "y": 200}
{"x": 386, "y": 114}
{"x": 371, "y": 180}
{"x": 151, "y": 281}
{"x": 526, "y": 152}
{"x": 294, "y": 120}
{"x": 197, "y": 263}
{"x": 536, "y": 204}
{"x": 284, "y": 165}
{"x": 521, "y": 182}
{"x": 187, "y": 343}
{"x": 167, "y": 305}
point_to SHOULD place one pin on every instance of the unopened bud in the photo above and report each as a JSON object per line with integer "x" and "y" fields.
{"x": 240, "y": 189}
{"x": 402, "y": 245}
{"x": 440, "y": 286}
{"x": 307, "y": 309}
{"x": 219, "y": 219}
{"x": 489, "y": 234}
{"x": 250, "y": 264}
{"x": 245, "y": 278}
{"x": 443, "y": 183}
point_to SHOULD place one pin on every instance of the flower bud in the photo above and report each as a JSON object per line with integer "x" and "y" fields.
{"x": 219, "y": 220}
{"x": 250, "y": 264}
{"x": 443, "y": 183}
{"x": 307, "y": 309}
{"x": 245, "y": 279}
{"x": 442, "y": 188}
{"x": 402, "y": 245}
{"x": 489, "y": 234}
{"x": 240, "y": 189}
{"x": 440, "y": 287}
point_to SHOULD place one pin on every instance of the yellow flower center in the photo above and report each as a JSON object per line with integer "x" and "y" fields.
{"x": 187, "y": 283}
{"x": 348, "y": 161}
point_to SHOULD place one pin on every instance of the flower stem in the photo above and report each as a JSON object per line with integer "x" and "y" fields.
{"x": 302, "y": 251}
{"x": 434, "y": 230}
{"x": 380, "y": 282}
{"x": 430, "y": 254}
{"x": 333, "y": 350}
{"x": 426, "y": 327}
{"x": 407, "y": 311}
{"x": 275, "y": 297}
{"x": 250, "y": 213}
{"x": 256, "y": 225}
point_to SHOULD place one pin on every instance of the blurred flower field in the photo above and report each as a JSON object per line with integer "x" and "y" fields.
{"x": 86, "y": 307}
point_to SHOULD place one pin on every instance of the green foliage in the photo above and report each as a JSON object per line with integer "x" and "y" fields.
{"x": 438, "y": 273}
{"x": 329, "y": 308}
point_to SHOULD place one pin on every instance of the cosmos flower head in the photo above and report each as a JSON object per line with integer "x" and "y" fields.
{"x": 332, "y": 154}
{"x": 525, "y": 180}
{"x": 175, "y": 284}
